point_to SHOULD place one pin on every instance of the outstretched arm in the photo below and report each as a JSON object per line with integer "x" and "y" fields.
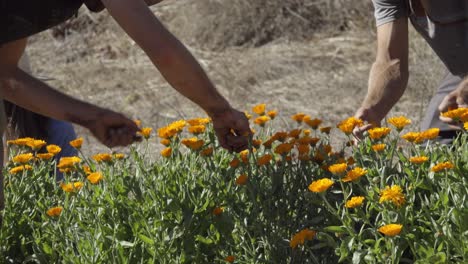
{"x": 388, "y": 77}
{"x": 179, "y": 68}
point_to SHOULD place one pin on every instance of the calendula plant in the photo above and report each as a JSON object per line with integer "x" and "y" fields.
{"x": 395, "y": 197}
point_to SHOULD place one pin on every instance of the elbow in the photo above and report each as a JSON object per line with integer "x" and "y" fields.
{"x": 391, "y": 71}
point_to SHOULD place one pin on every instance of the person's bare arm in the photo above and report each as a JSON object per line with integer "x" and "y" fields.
{"x": 179, "y": 68}
{"x": 388, "y": 77}
{"x": 24, "y": 90}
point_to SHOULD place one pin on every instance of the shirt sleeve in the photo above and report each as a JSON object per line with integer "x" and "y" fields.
{"x": 386, "y": 11}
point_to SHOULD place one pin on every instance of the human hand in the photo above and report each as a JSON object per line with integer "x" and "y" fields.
{"x": 370, "y": 117}
{"x": 456, "y": 99}
{"x": 228, "y": 121}
{"x": 112, "y": 129}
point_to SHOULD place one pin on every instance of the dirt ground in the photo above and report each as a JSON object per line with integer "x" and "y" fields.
{"x": 323, "y": 75}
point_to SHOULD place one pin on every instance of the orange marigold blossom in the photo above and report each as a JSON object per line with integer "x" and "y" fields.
{"x": 102, "y": 157}
{"x": 244, "y": 155}
{"x": 300, "y": 237}
{"x": 349, "y": 124}
{"x": 166, "y": 152}
{"x": 338, "y": 168}
{"x": 230, "y": 258}
{"x": 71, "y": 186}
{"x": 295, "y": 133}
{"x": 234, "y": 163}
{"x": 442, "y": 166}
{"x": 18, "y": 169}
{"x": 350, "y": 161}
{"x": 198, "y": 121}
{"x": 303, "y": 149}
{"x": 45, "y": 156}
{"x": 391, "y": 229}
{"x": 197, "y": 129}
{"x": 137, "y": 122}
{"x": 87, "y": 169}
{"x": 264, "y": 160}
{"x": 430, "y": 134}
{"x": 36, "y": 144}
{"x": 242, "y": 180}
{"x": 217, "y": 211}
{"x": 354, "y": 174}
{"x": 66, "y": 162}
{"x": 313, "y": 123}
{"x": 272, "y": 114}
{"x": 166, "y": 142}
{"x": 257, "y": 143}
{"x": 23, "y": 158}
{"x": 413, "y": 137}
{"x": 299, "y": 117}
{"x": 54, "y": 211}
{"x": 259, "y": 109}
{"x": 457, "y": 114}
{"x": 321, "y": 185}
{"x": 145, "y": 132}
{"x": 354, "y": 202}
{"x": 418, "y": 159}
{"x": 261, "y": 120}
{"x": 119, "y": 156}
{"x": 378, "y": 132}
{"x": 393, "y": 194}
{"x": 280, "y": 136}
{"x": 283, "y": 148}
{"x": 95, "y": 177}
{"x": 378, "y": 147}
{"x": 20, "y": 141}
{"x": 465, "y": 125}
{"x": 53, "y": 149}
{"x": 307, "y": 132}
{"x": 325, "y": 130}
{"x": 399, "y": 122}
{"x": 207, "y": 152}
{"x": 77, "y": 143}
{"x": 193, "y": 143}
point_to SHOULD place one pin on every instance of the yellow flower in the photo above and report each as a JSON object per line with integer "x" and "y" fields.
{"x": 261, "y": 120}
{"x": 72, "y": 186}
{"x": 102, "y": 157}
{"x": 166, "y": 132}
{"x": 301, "y": 237}
{"x": 54, "y": 211}
{"x": 119, "y": 156}
{"x": 167, "y": 152}
{"x": 431, "y": 133}
{"x": 264, "y": 160}
{"x": 283, "y": 148}
{"x": 145, "y": 132}
{"x": 299, "y": 117}
{"x": 242, "y": 180}
{"x": 197, "y": 129}
{"x": 413, "y": 137}
{"x": 354, "y": 202}
{"x": 21, "y": 168}
{"x": 95, "y": 177}
{"x": 218, "y": 211}
{"x": 230, "y": 259}
{"x": 338, "y": 168}
{"x": 391, "y": 229}
{"x": 354, "y": 174}
{"x": 198, "y": 121}
{"x": 45, "y": 156}
{"x": 53, "y": 149}
{"x": 193, "y": 143}
{"x": 307, "y": 132}
{"x": 399, "y": 122}
{"x": 393, "y": 194}
{"x": 207, "y": 152}
{"x": 77, "y": 143}
{"x": 419, "y": 160}
{"x": 272, "y": 114}
{"x": 20, "y": 141}
{"x": 249, "y": 116}
{"x": 256, "y": 143}
{"x": 259, "y": 109}
{"x": 349, "y": 124}
{"x": 465, "y": 125}
{"x": 325, "y": 130}
{"x": 378, "y": 132}
{"x": 36, "y": 144}
{"x": 87, "y": 170}
{"x": 137, "y": 122}
{"x": 313, "y": 123}
{"x": 442, "y": 166}
{"x": 166, "y": 142}
{"x": 458, "y": 114}
{"x": 66, "y": 162}
{"x": 23, "y": 158}
{"x": 321, "y": 185}
{"x": 378, "y": 147}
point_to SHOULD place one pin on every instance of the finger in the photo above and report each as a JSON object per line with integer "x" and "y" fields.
{"x": 221, "y": 135}
{"x": 448, "y": 102}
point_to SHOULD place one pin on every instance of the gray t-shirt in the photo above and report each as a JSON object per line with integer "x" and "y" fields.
{"x": 444, "y": 26}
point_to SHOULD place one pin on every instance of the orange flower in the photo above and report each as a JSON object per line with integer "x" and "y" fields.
{"x": 71, "y": 187}
{"x": 419, "y": 160}
{"x": 137, "y": 122}
{"x": 349, "y": 124}
{"x": 87, "y": 170}
{"x": 198, "y": 121}
{"x": 458, "y": 114}
{"x": 321, "y": 185}
{"x": 393, "y": 194}
{"x": 338, "y": 168}
{"x": 399, "y": 122}
{"x": 256, "y": 143}
{"x": 23, "y": 158}
{"x": 166, "y": 152}
{"x": 378, "y": 132}
{"x": 77, "y": 143}
{"x": 280, "y": 136}
{"x": 295, "y": 133}
{"x": 391, "y": 229}
{"x": 244, "y": 155}
{"x": 193, "y": 143}
{"x": 259, "y": 109}
{"x": 53, "y": 149}
{"x": 166, "y": 142}
{"x": 45, "y": 156}
{"x": 207, "y": 152}
{"x": 95, "y": 177}
{"x": 430, "y": 134}
{"x": 325, "y": 130}
{"x": 303, "y": 149}
{"x": 442, "y": 166}
{"x": 413, "y": 137}
{"x": 197, "y": 129}
{"x": 313, "y": 123}
{"x": 54, "y": 211}
{"x": 67, "y": 162}
{"x": 301, "y": 237}
{"x": 20, "y": 141}
{"x": 261, "y": 120}
{"x": 354, "y": 202}
{"x": 36, "y": 144}
{"x": 378, "y": 147}
{"x": 249, "y": 116}
{"x": 102, "y": 157}
{"x": 354, "y": 174}
{"x": 218, "y": 211}
{"x": 234, "y": 163}
{"x": 119, "y": 156}
{"x": 283, "y": 148}
{"x": 272, "y": 114}
{"x": 307, "y": 132}
{"x": 230, "y": 259}
{"x": 264, "y": 160}
{"x": 299, "y": 117}
{"x": 242, "y": 180}
{"x": 21, "y": 168}
{"x": 145, "y": 132}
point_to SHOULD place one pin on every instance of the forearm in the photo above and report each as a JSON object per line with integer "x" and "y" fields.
{"x": 167, "y": 53}
{"x": 22, "y": 89}
{"x": 387, "y": 83}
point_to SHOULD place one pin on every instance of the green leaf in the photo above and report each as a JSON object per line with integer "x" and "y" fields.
{"x": 335, "y": 229}
{"x": 357, "y": 256}
{"x": 203, "y": 240}
{"x": 146, "y": 239}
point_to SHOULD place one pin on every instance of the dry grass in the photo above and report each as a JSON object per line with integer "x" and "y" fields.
{"x": 255, "y": 51}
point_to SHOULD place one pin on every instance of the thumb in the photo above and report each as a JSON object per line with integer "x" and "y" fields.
{"x": 448, "y": 102}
